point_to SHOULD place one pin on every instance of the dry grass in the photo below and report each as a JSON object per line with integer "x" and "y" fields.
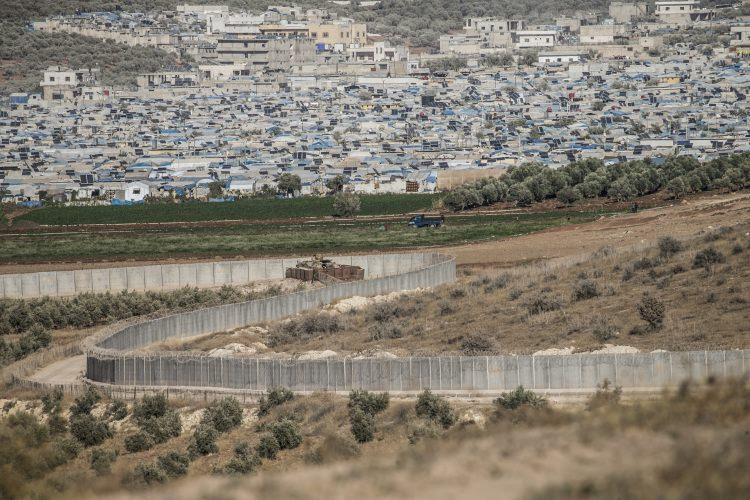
{"x": 557, "y": 303}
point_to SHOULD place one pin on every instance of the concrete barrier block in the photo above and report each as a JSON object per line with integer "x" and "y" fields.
{"x": 152, "y": 278}
{"x": 736, "y": 364}
{"x": 374, "y": 267}
{"x": 136, "y": 278}
{"x": 606, "y": 368}
{"x": 626, "y": 370}
{"x": 48, "y": 284}
{"x": 257, "y": 270}
{"x": 715, "y": 363}
{"x": 83, "y": 281}
{"x": 204, "y": 274}
{"x": 118, "y": 279}
{"x": 681, "y": 369}
{"x": 30, "y": 285}
{"x": 240, "y": 273}
{"x": 661, "y": 369}
{"x": 188, "y": 275}
{"x": 526, "y": 371}
{"x": 170, "y": 276}
{"x": 222, "y": 273}
{"x": 100, "y": 280}
{"x": 275, "y": 268}
{"x": 643, "y": 370}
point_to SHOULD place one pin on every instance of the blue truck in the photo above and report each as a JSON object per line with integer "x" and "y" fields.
{"x": 423, "y": 220}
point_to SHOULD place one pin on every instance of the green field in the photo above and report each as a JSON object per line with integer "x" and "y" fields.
{"x": 245, "y": 209}
{"x": 271, "y": 239}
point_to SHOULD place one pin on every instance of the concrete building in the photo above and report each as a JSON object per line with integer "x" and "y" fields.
{"x": 167, "y": 79}
{"x": 682, "y": 12}
{"x": 625, "y": 12}
{"x": 740, "y": 42}
{"x": 265, "y": 52}
{"x": 603, "y": 33}
{"x": 379, "y": 51}
{"x": 494, "y": 25}
{"x": 341, "y": 34}
{"x": 61, "y": 84}
{"x": 547, "y": 58}
{"x": 534, "y": 39}
{"x": 203, "y": 9}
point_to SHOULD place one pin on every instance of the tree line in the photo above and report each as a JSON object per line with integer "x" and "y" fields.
{"x": 592, "y": 178}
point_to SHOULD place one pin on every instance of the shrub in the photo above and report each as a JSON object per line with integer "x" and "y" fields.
{"x": 568, "y": 195}
{"x": 737, "y": 249}
{"x": 387, "y": 330}
{"x": 368, "y": 402}
{"x": 174, "y": 464}
{"x": 457, "y": 293}
{"x": 268, "y": 446}
{"x": 85, "y": 402}
{"x": 68, "y": 447}
{"x": 604, "y": 396}
{"x": 475, "y": 344}
{"x": 101, "y": 461}
{"x": 150, "y": 406}
{"x": 602, "y": 329}
{"x": 28, "y": 428}
{"x": 585, "y": 289}
{"x": 203, "y": 441}
{"x": 422, "y": 431}
{"x": 706, "y": 258}
{"x": 497, "y": 283}
{"x": 446, "y": 307}
{"x": 515, "y": 294}
{"x": 51, "y": 401}
{"x": 117, "y": 409}
{"x": 244, "y": 460}
{"x": 162, "y": 428}
{"x": 435, "y": 408}
{"x": 543, "y": 302}
{"x": 286, "y": 433}
{"x": 148, "y": 474}
{"x": 345, "y": 204}
{"x": 651, "y": 310}
{"x": 520, "y": 397}
{"x": 89, "y": 430}
{"x": 224, "y": 415}
{"x": 140, "y": 441}
{"x": 362, "y": 425}
{"x": 273, "y": 397}
{"x": 386, "y": 311}
{"x": 669, "y": 246}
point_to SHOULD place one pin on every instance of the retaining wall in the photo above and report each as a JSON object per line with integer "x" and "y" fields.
{"x": 173, "y": 276}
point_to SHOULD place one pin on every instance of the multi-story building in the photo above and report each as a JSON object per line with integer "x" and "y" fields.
{"x": 683, "y": 12}
{"x": 265, "y": 52}
{"x": 62, "y": 84}
{"x": 494, "y": 25}
{"x": 602, "y": 33}
{"x": 625, "y": 12}
{"x": 341, "y": 34}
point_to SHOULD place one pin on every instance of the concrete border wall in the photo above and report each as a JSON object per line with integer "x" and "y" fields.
{"x": 112, "y": 357}
{"x": 163, "y": 277}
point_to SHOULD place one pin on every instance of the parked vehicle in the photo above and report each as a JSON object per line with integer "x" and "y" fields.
{"x": 422, "y": 220}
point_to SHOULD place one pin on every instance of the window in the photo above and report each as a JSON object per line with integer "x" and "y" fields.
{"x": 314, "y": 34}
{"x": 325, "y": 34}
{"x": 52, "y": 78}
{"x": 136, "y": 191}
{"x": 67, "y": 78}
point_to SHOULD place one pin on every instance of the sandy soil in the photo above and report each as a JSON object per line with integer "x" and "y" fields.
{"x": 682, "y": 219}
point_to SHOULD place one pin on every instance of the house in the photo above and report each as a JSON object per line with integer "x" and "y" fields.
{"x": 134, "y": 192}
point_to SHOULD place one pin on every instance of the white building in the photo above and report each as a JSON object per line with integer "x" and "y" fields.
{"x": 136, "y": 191}
{"x": 559, "y": 57}
{"x": 534, "y": 39}
{"x": 682, "y": 12}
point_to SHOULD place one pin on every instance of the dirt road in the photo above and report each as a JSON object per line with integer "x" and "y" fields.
{"x": 66, "y": 371}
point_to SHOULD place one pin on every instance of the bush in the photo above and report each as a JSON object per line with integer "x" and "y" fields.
{"x": 568, "y": 195}
{"x": 345, "y": 204}
{"x": 520, "y": 397}
{"x": 268, "y": 446}
{"x": 603, "y": 330}
{"x": 117, "y": 409}
{"x": 57, "y": 423}
{"x": 651, "y": 310}
{"x": 162, "y": 428}
{"x": 707, "y": 258}
{"x": 286, "y": 433}
{"x": 140, "y": 441}
{"x": 446, "y": 307}
{"x": 203, "y": 441}
{"x": 543, "y": 302}
{"x": 28, "y": 428}
{"x": 362, "y": 425}
{"x": 273, "y": 397}
{"x": 89, "y": 430}
{"x": 174, "y": 464}
{"x": 51, "y": 401}
{"x": 68, "y": 447}
{"x": 101, "y": 461}
{"x": 224, "y": 415}
{"x": 435, "y": 408}
{"x": 387, "y": 330}
{"x": 585, "y": 289}
{"x": 475, "y": 344}
{"x": 148, "y": 474}
{"x": 244, "y": 460}
{"x": 85, "y": 403}
{"x": 669, "y": 246}
{"x": 368, "y": 402}
{"x": 150, "y": 406}
{"x": 605, "y": 396}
